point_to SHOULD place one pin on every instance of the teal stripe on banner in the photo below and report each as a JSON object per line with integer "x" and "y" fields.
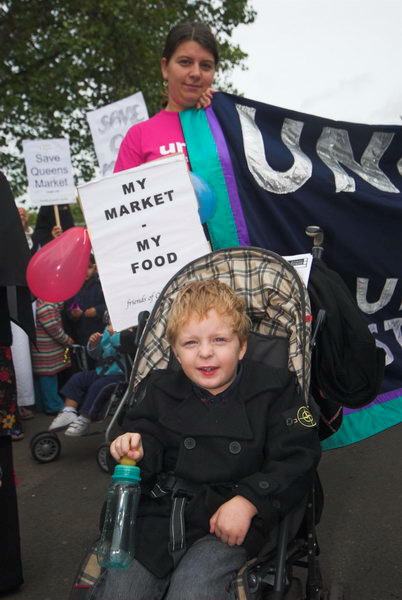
{"x": 205, "y": 163}
{"x": 364, "y": 423}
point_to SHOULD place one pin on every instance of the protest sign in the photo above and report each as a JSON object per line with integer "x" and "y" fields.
{"x": 110, "y": 124}
{"x": 144, "y": 226}
{"x": 49, "y": 171}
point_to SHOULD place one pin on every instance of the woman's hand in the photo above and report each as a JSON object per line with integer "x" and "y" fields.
{"x": 205, "y": 99}
{"x": 128, "y": 444}
{"x": 90, "y": 312}
{"x": 232, "y": 520}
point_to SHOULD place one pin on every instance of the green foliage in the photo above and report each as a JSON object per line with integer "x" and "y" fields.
{"x": 60, "y": 59}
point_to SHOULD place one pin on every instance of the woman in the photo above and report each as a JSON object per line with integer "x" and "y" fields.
{"x": 188, "y": 65}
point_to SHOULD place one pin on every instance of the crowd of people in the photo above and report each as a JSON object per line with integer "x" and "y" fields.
{"x": 208, "y": 333}
{"x": 59, "y": 327}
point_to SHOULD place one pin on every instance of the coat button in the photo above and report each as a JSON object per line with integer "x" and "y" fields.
{"x": 189, "y": 443}
{"x": 234, "y": 447}
{"x": 264, "y": 485}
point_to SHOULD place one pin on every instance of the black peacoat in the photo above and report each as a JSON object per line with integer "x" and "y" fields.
{"x": 261, "y": 444}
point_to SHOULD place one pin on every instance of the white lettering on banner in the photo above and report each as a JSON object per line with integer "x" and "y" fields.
{"x": 372, "y": 307}
{"x": 389, "y": 357}
{"x": 333, "y": 148}
{"x": 394, "y": 325}
{"x": 266, "y": 177}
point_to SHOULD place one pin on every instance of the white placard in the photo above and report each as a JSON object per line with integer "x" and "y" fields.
{"x": 49, "y": 170}
{"x": 302, "y": 263}
{"x": 144, "y": 227}
{"x": 110, "y": 124}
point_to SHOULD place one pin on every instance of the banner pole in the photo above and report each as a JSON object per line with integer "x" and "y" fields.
{"x": 56, "y": 215}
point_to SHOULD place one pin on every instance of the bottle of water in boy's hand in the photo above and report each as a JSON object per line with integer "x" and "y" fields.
{"x": 116, "y": 546}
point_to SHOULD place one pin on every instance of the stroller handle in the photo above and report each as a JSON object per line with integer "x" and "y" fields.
{"x": 315, "y": 232}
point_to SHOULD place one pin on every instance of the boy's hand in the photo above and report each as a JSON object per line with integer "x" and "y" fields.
{"x": 232, "y": 520}
{"x": 129, "y": 444}
{"x": 94, "y": 339}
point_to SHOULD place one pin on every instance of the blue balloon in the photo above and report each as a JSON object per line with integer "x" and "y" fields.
{"x": 205, "y": 196}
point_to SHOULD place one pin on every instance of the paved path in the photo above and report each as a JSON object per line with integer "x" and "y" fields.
{"x": 360, "y": 534}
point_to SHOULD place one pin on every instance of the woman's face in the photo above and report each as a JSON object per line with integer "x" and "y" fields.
{"x": 189, "y": 73}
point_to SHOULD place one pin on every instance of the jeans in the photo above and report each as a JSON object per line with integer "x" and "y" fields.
{"x": 47, "y": 397}
{"x": 205, "y": 572}
{"x": 86, "y": 389}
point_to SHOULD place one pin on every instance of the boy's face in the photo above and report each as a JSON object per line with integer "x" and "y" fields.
{"x": 209, "y": 351}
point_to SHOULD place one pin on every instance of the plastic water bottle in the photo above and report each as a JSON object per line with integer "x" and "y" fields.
{"x": 116, "y": 546}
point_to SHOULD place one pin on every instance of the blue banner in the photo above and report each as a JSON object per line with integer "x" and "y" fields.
{"x": 292, "y": 170}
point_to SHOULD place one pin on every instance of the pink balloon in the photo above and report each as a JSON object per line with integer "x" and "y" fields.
{"x": 58, "y": 270}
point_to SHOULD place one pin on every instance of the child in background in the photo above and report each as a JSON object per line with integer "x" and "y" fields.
{"x": 83, "y": 313}
{"x": 50, "y": 355}
{"x": 82, "y": 389}
{"x": 223, "y": 456}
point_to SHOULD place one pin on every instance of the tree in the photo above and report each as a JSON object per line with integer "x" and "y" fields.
{"x": 62, "y": 58}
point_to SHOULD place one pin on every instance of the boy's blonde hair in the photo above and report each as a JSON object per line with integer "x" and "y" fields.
{"x": 198, "y": 298}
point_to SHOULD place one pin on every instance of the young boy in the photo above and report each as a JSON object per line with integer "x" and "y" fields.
{"x": 82, "y": 391}
{"x": 222, "y": 452}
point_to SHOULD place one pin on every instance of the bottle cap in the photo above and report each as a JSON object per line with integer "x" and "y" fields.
{"x": 127, "y": 471}
{"x": 126, "y": 460}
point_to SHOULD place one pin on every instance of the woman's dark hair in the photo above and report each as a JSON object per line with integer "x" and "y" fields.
{"x": 190, "y": 32}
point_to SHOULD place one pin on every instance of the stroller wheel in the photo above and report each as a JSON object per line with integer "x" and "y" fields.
{"x": 45, "y": 447}
{"x": 104, "y": 459}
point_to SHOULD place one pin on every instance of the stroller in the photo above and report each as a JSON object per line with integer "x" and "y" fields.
{"x": 46, "y": 445}
{"x": 278, "y": 305}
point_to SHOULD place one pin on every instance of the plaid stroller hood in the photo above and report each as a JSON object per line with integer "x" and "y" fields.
{"x": 276, "y": 300}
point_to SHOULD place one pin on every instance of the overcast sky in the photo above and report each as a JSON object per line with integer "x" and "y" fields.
{"x": 335, "y": 58}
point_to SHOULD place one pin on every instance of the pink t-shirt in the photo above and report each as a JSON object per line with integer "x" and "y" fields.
{"x": 159, "y": 136}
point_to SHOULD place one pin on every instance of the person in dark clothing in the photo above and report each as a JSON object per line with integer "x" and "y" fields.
{"x": 46, "y": 228}
{"x": 15, "y": 304}
{"x": 83, "y": 313}
{"x": 226, "y": 449}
